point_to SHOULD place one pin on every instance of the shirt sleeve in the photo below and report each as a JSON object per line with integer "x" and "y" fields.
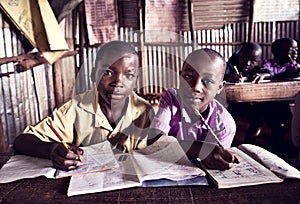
{"x": 62, "y": 120}
{"x": 161, "y": 120}
{"x": 227, "y": 127}
{"x": 289, "y": 70}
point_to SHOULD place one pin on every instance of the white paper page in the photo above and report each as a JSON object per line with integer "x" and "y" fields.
{"x": 97, "y": 157}
{"x": 271, "y": 161}
{"x": 246, "y": 172}
{"x": 123, "y": 177}
{"x": 21, "y": 166}
{"x": 165, "y": 159}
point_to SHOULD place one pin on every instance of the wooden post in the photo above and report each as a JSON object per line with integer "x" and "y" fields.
{"x": 141, "y": 48}
{"x": 2, "y": 140}
{"x": 251, "y": 23}
{"x": 191, "y": 21}
{"x": 57, "y": 86}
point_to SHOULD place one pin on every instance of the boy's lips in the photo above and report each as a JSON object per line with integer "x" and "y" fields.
{"x": 115, "y": 95}
{"x": 194, "y": 98}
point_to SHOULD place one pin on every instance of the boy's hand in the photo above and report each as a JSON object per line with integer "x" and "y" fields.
{"x": 220, "y": 158}
{"x": 235, "y": 78}
{"x": 259, "y": 77}
{"x": 65, "y": 159}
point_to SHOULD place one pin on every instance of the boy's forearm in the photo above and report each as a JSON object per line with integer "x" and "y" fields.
{"x": 30, "y": 145}
{"x": 197, "y": 148}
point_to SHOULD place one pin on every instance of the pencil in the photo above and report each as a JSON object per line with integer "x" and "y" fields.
{"x": 58, "y": 135}
{"x": 291, "y": 58}
{"x": 236, "y": 70}
{"x": 208, "y": 127}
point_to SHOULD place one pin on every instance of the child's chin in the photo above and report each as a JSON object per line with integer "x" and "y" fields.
{"x": 194, "y": 104}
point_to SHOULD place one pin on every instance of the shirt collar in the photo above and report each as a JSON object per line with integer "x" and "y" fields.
{"x": 185, "y": 114}
{"x": 90, "y": 104}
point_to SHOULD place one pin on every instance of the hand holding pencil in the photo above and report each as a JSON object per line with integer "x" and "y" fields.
{"x": 227, "y": 156}
{"x": 66, "y": 157}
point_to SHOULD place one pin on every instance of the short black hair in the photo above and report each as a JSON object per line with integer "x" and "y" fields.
{"x": 250, "y": 45}
{"x": 210, "y": 52}
{"x": 281, "y": 43}
{"x": 120, "y": 47}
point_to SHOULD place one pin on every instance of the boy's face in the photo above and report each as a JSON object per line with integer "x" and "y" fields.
{"x": 288, "y": 52}
{"x": 201, "y": 79}
{"x": 248, "y": 59}
{"x": 117, "y": 77}
{"x": 293, "y": 51}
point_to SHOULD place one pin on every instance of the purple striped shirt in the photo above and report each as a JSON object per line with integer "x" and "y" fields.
{"x": 174, "y": 119}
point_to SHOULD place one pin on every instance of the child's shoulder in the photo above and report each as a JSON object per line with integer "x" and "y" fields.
{"x": 219, "y": 107}
{"x": 174, "y": 92}
{"x": 171, "y": 95}
{"x": 139, "y": 102}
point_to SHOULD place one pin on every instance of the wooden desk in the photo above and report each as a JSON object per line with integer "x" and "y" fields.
{"x": 267, "y": 91}
{"x": 43, "y": 190}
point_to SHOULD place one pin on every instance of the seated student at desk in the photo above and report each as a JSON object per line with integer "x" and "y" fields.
{"x": 278, "y": 113}
{"x": 188, "y": 113}
{"x": 283, "y": 64}
{"x": 110, "y": 112}
{"x": 245, "y": 66}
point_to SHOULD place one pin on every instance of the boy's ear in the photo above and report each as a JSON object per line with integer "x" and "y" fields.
{"x": 93, "y": 73}
{"x": 221, "y": 87}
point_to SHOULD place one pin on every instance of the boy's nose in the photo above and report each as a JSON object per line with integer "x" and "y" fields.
{"x": 118, "y": 80}
{"x": 198, "y": 86}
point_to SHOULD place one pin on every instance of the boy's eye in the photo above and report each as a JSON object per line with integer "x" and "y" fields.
{"x": 130, "y": 76}
{"x": 107, "y": 72}
{"x": 208, "y": 82}
{"x": 188, "y": 76}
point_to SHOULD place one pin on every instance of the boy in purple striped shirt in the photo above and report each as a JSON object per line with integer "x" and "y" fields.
{"x": 201, "y": 78}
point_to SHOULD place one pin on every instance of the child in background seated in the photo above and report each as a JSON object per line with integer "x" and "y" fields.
{"x": 201, "y": 78}
{"x": 296, "y": 128}
{"x": 245, "y": 65}
{"x": 110, "y": 112}
{"x": 284, "y": 64}
{"x": 278, "y": 113}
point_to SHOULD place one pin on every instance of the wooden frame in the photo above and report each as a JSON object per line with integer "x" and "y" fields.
{"x": 267, "y": 91}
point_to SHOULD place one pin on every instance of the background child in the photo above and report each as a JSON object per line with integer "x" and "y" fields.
{"x": 109, "y": 112}
{"x": 284, "y": 64}
{"x": 278, "y": 113}
{"x": 245, "y": 65}
{"x": 201, "y": 78}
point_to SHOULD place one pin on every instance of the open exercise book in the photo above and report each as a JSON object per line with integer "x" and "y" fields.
{"x": 257, "y": 166}
{"x": 156, "y": 165}
{"x": 98, "y": 157}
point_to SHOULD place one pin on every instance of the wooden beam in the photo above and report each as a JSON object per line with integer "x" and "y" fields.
{"x": 28, "y": 61}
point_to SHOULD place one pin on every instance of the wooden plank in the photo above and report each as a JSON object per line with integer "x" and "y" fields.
{"x": 268, "y": 91}
{"x": 2, "y": 139}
